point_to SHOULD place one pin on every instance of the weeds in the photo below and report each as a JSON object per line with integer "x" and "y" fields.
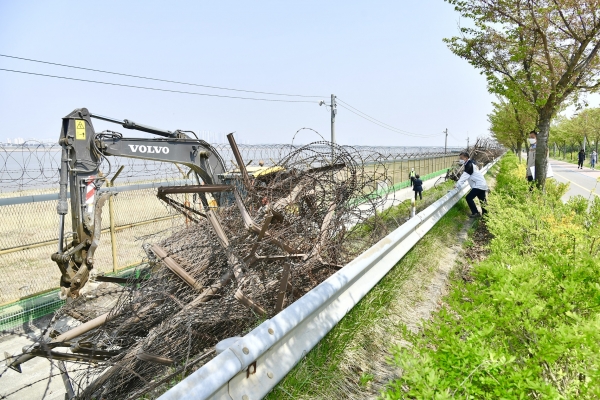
{"x": 531, "y": 327}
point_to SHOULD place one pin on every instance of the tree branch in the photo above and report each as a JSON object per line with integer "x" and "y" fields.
{"x": 546, "y": 50}
{"x": 567, "y": 25}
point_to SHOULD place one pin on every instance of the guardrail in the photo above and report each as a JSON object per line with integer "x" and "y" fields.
{"x": 255, "y": 363}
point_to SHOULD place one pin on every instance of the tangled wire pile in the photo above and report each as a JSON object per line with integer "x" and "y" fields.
{"x": 485, "y": 151}
{"x": 482, "y": 153}
{"x": 274, "y": 238}
{"x": 276, "y": 235}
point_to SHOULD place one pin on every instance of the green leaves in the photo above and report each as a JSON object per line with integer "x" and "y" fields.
{"x": 543, "y": 54}
{"x": 531, "y": 330}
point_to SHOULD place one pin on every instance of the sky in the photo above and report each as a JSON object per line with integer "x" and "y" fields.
{"x": 384, "y": 58}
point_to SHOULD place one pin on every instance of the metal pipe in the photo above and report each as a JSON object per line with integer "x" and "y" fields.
{"x": 66, "y": 380}
{"x": 73, "y": 333}
{"x": 175, "y": 268}
{"x": 239, "y": 160}
{"x": 239, "y": 295}
{"x": 61, "y": 233}
{"x": 81, "y": 329}
{"x": 135, "y": 126}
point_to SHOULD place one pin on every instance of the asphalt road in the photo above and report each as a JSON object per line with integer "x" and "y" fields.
{"x": 581, "y": 181}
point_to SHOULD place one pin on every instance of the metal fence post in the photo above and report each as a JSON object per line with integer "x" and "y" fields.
{"x": 111, "y": 217}
{"x": 401, "y": 174}
{"x": 113, "y": 239}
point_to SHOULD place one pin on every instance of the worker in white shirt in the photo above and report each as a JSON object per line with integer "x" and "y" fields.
{"x": 477, "y": 182}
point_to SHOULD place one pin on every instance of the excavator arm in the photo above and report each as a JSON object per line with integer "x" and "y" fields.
{"x": 80, "y": 177}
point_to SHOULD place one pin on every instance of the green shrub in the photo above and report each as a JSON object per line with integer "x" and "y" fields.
{"x": 528, "y": 326}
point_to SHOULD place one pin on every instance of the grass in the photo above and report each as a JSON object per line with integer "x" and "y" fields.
{"x": 321, "y": 374}
{"x": 350, "y": 361}
{"x": 524, "y": 323}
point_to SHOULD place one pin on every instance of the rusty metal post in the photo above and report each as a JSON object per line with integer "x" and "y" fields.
{"x": 285, "y": 275}
{"x": 239, "y": 295}
{"x": 239, "y": 160}
{"x": 176, "y": 268}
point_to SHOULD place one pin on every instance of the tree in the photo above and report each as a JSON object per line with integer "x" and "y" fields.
{"x": 544, "y": 51}
{"x": 568, "y": 132}
{"x": 572, "y": 131}
{"x": 510, "y": 124}
{"x": 560, "y": 133}
{"x": 588, "y": 124}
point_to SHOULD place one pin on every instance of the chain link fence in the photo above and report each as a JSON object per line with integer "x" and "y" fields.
{"x": 29, "y": 195}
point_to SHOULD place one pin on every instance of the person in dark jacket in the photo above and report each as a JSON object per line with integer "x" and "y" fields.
{"x": 580, "y": 159}
{"x": 418, "y": 187}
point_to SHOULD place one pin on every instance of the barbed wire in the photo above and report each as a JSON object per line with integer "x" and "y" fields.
{"x": 34, "y": 166}
{"x": 271, "y": 241}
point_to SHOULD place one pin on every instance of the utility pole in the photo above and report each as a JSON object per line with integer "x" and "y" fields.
{"x": 333, "y": 112}
{"x": 467, "y": 143}
{"x": 584, "y": 137}
{"x": 446, "y": 142}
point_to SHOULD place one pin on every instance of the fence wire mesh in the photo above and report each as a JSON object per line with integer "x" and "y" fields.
{"x": 29, "y": 178}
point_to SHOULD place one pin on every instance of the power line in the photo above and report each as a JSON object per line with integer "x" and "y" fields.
{"x": 155, "y": 89}
{"x": 380, "y": 123}
{"x": 383, "y": 124}
{"x": 152, "y": 79}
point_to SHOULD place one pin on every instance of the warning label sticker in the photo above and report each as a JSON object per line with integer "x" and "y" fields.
{"x": 79, "y": 129}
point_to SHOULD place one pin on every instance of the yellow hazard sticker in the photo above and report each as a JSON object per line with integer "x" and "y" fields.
{"x": 79, "y": 129}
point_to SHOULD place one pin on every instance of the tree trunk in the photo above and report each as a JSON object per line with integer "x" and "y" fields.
{"x": 541, "y": 149}
{"x": 519, "y": 148}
